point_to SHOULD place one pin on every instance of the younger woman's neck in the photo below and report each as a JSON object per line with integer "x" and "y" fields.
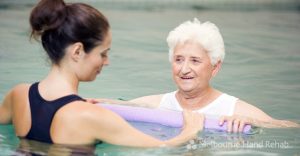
{"x": 62, "y": 80}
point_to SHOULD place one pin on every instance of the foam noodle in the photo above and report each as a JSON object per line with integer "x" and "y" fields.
{"x": 163, "y": 117}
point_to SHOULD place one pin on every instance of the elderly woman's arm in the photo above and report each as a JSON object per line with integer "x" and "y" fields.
{"x": 259, "y": 118}
{"x": 151, "y": 101}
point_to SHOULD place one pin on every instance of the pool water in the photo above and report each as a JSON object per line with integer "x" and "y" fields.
{"x": 262, "y": 67}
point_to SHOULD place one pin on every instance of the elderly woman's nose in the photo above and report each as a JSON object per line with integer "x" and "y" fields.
{"x": 185, "y": 67}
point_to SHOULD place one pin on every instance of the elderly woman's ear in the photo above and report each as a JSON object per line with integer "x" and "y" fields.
{"x": 216, "y": 68}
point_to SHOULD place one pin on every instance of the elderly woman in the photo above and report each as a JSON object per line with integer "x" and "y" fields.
{"x": 196, "y": 52}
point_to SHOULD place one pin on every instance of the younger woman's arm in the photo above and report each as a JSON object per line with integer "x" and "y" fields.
{"x": 111, "y": 128}
{"x": 6, "y": 109}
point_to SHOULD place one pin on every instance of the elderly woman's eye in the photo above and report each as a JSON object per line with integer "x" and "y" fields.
{"x": 196, "y": 61}
{"x": 178, "y": 60}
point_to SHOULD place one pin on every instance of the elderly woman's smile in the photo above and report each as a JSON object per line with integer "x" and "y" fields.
{"x": 186, "y": 77}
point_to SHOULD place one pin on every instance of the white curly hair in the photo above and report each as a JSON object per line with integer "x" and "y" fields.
{"x": 206, "y": 34}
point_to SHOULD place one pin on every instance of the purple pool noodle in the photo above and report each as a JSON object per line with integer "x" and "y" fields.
{"x": 140, "y": 114}
{"x": 163, "y": 117}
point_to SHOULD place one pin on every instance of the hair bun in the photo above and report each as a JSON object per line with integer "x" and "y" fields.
{"x": 46, "y": 15}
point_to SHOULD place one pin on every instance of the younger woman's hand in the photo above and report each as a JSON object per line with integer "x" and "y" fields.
{"x": 193, "y": 121}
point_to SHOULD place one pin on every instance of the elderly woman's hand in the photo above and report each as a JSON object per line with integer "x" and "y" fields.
{"x": 235, "y": 123}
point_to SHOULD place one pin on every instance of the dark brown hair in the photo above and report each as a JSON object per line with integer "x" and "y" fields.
{"x": 59, "y": 24}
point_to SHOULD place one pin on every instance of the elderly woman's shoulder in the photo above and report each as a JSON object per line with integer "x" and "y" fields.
{"x": 246, "y": 109}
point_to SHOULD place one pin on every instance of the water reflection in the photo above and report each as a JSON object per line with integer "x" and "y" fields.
{"x": 35, "y": 148}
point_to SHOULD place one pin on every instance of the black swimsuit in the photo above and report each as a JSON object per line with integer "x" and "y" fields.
{"x": 42, "y": 113}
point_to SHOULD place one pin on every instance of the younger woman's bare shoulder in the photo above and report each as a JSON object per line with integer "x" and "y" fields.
{"x": 82, "y": 108}
{"x": 84, "y": 113}
{"x": 20, "y": 88}
{"x": 19, "y": 92}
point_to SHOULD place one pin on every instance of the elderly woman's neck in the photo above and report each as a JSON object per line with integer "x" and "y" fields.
{"x": 196, "y": 93}
{"x": 197, "y": 100}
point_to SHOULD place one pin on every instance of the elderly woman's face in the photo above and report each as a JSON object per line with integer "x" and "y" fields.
{"x": 191, "y": 65}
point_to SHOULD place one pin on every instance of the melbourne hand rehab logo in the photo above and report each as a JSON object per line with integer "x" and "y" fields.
{"x": 203, "y": 143}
